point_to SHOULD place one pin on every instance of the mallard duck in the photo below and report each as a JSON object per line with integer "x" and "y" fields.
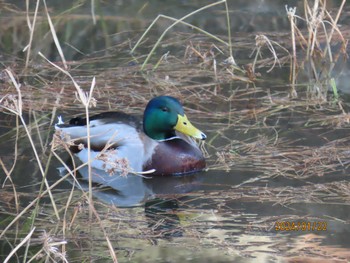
{"x": 163, "y": 141}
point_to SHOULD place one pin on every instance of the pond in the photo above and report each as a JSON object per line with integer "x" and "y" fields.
{"x": 276, "y": 185}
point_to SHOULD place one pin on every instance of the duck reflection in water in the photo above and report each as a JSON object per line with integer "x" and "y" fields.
{"x": 135, "y": 190}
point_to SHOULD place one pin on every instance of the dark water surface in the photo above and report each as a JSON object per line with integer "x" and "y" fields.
{"x": 269, "y": 194}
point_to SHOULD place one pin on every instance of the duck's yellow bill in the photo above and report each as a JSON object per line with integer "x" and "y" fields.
{"x": 184, "y": 126}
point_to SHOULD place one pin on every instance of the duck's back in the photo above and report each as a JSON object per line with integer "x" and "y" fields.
{"x": 116, "y": 133}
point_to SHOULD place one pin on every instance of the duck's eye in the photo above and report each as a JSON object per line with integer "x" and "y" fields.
{"x": 165, "y": 109}
{"x": 184, "y": 123}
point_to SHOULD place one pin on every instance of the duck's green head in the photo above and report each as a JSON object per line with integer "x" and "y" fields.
{"x": 163, "y": 115}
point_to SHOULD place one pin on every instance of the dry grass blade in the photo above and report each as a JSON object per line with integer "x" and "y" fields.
{"x": 86, "y": 103}
{"x": 335, "y": 21}
{"x": 54, "y": 35}
{"x": 260, "y": 41}
{"x": 182, "y": 22}
{"x": 291, "y": 17}
{"x": 335, "y": 27}
{"x": 65, "y": 72}
{"x": 16, "y": 108}
{"x": 9, "y": 172}
{"x": 8, "y": 177}
{"x": 228, "y": 30}
{"x": 28, "y": 236}
{"x": 177, "y": 21}
{"x": 93, "y": 11}
{"x": 31, "y": 204}
{"x": 31, "y": 28}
